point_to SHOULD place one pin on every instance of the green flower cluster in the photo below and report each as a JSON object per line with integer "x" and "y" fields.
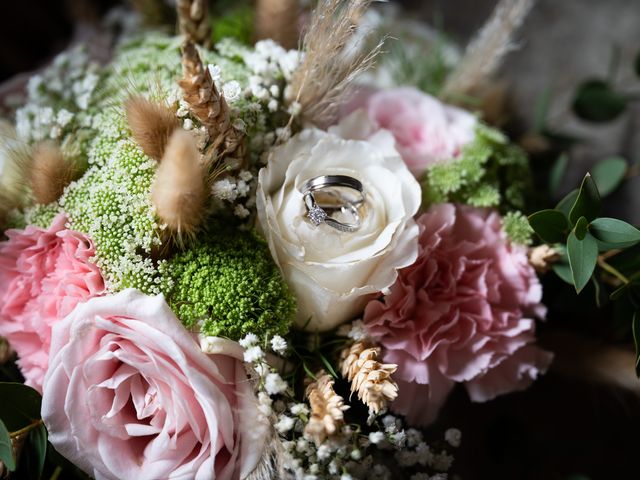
{"x": 516, "y": 226}
{"x": 490, "y": 172}
{"x": 229, "y": 286}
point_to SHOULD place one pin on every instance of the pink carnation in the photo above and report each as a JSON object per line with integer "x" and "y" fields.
{"x": 426, "y": 130}
{"x": 462, "y": 313}
{"x": 44, "y": 274}
{"x": 130, "y": 395}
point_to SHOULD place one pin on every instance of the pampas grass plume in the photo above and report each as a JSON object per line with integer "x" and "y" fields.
{"x": 50, "y": 173}
{"x": 151, "y": 125}
{"x": 179, "y": 193}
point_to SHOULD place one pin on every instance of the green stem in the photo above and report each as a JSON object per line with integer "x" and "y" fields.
{"x": 609, "y": 269}
{"x": 33, "y": 425}
{"x": 56, "y": 473}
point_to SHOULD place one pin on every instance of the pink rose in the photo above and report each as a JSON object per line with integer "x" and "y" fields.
{"x": 462, "y": 313}
{"x": 426, "y": 130}
{"x": 130, "y": 395}
{"x": 44, "y": 274}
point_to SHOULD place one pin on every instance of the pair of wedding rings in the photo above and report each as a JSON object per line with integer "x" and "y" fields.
{"x": 328, "y": 196}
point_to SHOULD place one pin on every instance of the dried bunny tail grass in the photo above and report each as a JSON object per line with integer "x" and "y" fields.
{"x": 50, "y": 173}
{"x": 484, "y": 54}
{"x": 151, "y": 125}
{"x": 271, "y": 463}
{"x": 322, "y": 78}
{"x": 179, "y": 191}
{"x": 327, "y": 409}
{"x": 193, "y": 20}
{"x": 209, "y": 106}
{"x": 278, "y": 20}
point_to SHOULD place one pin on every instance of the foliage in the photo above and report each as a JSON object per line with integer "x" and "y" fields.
{"x": 229, "y": 286}
{"x": 490, "y": 172}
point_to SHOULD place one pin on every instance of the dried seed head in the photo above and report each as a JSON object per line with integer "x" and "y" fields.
{"x": 50, "y": 173}
{"x": 151, "y": 125}
{"x": 179, "y": 192}
{"x": 327, "y": 409}
{"x": 542, "y": 257}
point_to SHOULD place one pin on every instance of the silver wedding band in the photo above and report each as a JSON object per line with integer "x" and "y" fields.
{"x": 317, "y": 213}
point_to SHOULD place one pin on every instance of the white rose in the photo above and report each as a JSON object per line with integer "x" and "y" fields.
{"x": 333, "y": 273}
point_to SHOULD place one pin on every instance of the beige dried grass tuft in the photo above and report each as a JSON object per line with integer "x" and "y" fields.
{"x": 179, "y": 191}
{"x": 50, "y": 173}
{"x": 278, "y": 20}
{"x": 193, "y": 20}
{"x": 326, "y": 72}
{"x": 151, "y": 125}
{"x": 327, "y": 409}
{"x": 484, "y": 55}
{"x": 209, "y": 106}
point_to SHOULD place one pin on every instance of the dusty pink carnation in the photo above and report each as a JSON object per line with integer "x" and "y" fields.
{"x": 44, "y": 274}
{"x": 130, "y": 395}
{"x": 426, "y": 130}
{"x": 462, "y": 313}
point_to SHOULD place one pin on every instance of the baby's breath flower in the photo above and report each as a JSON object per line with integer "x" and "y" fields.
{"x": 274, "y": 384}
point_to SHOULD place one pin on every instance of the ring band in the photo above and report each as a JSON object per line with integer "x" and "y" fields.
{"x": 317, "y": 213}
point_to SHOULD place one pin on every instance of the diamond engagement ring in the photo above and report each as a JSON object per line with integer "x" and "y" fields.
{"x": 322, "y": 198}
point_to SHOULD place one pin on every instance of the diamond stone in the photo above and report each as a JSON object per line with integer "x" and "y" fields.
{"x": 316, "y": 215}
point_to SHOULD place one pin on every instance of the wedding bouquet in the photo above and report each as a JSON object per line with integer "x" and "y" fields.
{"x": 238, "y": 260}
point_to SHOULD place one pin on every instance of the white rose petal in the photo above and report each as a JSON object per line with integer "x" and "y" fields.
{"x": 332, "y": 273}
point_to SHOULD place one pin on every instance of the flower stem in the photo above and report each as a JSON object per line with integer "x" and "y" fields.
{"x": 609, "y": 269}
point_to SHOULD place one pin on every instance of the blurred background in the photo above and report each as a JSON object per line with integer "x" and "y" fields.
{"x": 573, "y": 424}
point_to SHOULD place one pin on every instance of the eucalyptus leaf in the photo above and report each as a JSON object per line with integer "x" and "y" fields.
{"x": 588, "y": 203}
{"x": 609, "y": 173}
{"x": 595, "y": 101}
{"x": 567, "y": 202}
{"x": 557, "y": 172}
{"x": 581, "y": 228}
{"x": 19, "y": 405}
{"x": 615, "y": 232}
{"x": 6, "y": 449}
{"x": 583, "y": 255}
{"x": 563, "y": 270}
{"x": 34, "y": 453}
{"x": 550, "y": 225}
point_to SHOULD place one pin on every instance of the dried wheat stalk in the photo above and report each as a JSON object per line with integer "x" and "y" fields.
{"x": 369, "y": 378}
{"x": 278, "y": 20}
{"x": 484, "y": 54}
{"x": 327, "y": 409}
{"x": 193, "y": 20}
{"x": 209, "y": 106}
{"x": 322, "y": 78}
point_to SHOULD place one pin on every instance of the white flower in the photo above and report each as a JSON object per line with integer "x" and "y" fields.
{"x": 332, "y": 273}
{"x": 253, "y": 354}
{"x": 64, "y": 117}
{"x": 299, "y": 409}
{"x": 248, "y": 340}
{"x": 453, "y": 437}
{"x": 376, "y": 437}
{"x": 215, "y": 72}
{"x": 241, "y": 212}
{"x": 284, "y": 424}
{"x": 274, "y": 384}
{"x": 231, "y": 91}
{"x": 279, "y": 344}
{"x": 224, "y": 190}
{"x": 323, "y": 452}
{"x": 187, "y": 124}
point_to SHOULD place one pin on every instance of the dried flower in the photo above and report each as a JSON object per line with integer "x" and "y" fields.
{"x": 50, "y": 173}
{"x": 327, "y": 409}
{"x": 151, "y": 125}
{"x": 542, "y": 256}
{"x": 193, "y": 18}
{"x": 369, "y": 378}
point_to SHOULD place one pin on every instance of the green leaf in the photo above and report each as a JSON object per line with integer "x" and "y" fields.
{"x": 609, "y": 173}
{"x": 19, "y": 405}
{"x": 6, "y": 449}
{"x": 581, "y": 228}
{"x": 583, "y": 255}
{"x": 563, "y": 270}
{"x": 34, "y": 453}
{"x": 328, "y": 365}
{"x": 550, "y": 225}
{"x": 595, "y": 101}
{"x": 567, "y": 202}
{"x": 615, "y": 232}
{"x": 587, "y": 203}
{"x": 541, "y": 111}
{"x": 556, "y": 175}
{"x": 635, "y": 328}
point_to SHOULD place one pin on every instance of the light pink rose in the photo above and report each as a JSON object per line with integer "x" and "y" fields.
{"x": 130, "y": 395}
{"x": 426, "y": 130}
{"x": 462, "y": 313}
{"x": 44, "y": 274}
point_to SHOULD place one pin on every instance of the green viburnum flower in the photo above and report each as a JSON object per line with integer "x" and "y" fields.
{"x": 516, "y": 226}
{"x": 490, "y": 172}
{"x": 229, "y": 286}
